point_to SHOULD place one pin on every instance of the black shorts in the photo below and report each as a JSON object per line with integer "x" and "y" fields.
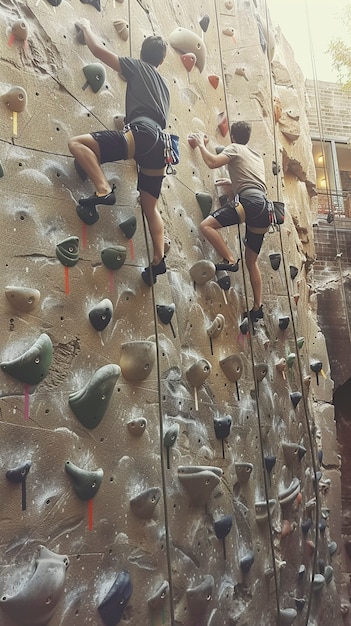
{"x": 256, "y": 212}
{"x": 149, "y": 153}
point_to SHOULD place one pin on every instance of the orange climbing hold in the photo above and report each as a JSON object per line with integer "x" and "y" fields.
{"x": 223, "y": 123}
{"x": 188, "y": 60}
{"x": 214, "y": 80}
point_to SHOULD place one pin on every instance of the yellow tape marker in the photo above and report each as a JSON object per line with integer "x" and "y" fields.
{"x": 14, "y": 122}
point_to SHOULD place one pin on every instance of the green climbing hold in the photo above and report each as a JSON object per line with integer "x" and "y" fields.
{"x": 95, "y": 75}
{"x": 90, "y": 403}
{"x": 113, "y": 257}
{"x": 129, "y": 226}
{"x": 85, "y": 484}
{"x": 31, "y": 367}
{"x": 67, "y": 251}
{"x": 205, "y": 203}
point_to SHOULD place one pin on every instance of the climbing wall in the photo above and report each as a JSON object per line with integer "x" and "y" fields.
{"x": 162, "y": 463}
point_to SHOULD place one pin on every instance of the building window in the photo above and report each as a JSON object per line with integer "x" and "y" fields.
{"x": 332, "y": 160}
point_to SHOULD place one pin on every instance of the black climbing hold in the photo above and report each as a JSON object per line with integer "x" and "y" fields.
{"x": 306, "y": 525}
{"x": 54, "y": 3}
{"x": 320, "y": 455}
{"x": 34, "y": 364}
{"x": 317, "y": 367}
{"x": 223, "y": 526}
{"x": 111, "y": 609}
{"x": 95, "y": 3}
{"x": 224, "y": 282}
{"x": 295, "y": 398}
{"x": 67, "y": 251}
{"x": 275, "y": 259}
{"x": 275, "y": 168}
{"x": 95, "y": 75}
{"x": 88, "y": 215}
{"x": 113, "y": 257}
{"x": 129, "y": 226}
{"x": 90, "y": 403}
{"x": 300, "y": 603}
{"x": 244, "y": 326}
{"x": 269, "y": 462}
{"x": 204, "y": 22}
{"x": 293, "y": 271}
{"x": 165, "y": 312}
{"x": 301, "y": 451}
{"x": 101, "y": 314}
{"x": 247, "y": 561}
{"x": 222, "y": 426}
{"x": 284, "y": 322}
{"x": 85, "y": 484}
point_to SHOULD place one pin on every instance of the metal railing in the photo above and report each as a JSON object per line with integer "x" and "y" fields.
{"x": 337, "y": 203}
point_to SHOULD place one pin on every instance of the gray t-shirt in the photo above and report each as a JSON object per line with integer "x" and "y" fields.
{"x": 246, "y": 168}
{"x": 147, "y": 94}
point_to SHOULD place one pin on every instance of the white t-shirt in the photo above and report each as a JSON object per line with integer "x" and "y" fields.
{"x": 246, "y": 168}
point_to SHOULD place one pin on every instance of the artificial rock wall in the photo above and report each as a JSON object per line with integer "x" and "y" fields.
{"x": 149, "y": 442}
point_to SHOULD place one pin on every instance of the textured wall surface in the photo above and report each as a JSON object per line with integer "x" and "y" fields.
{"x": 170, "y": 487}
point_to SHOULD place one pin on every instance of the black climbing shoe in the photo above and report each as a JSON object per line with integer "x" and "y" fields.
{"x": 87, "y": 215}
{"x": 228, "y": 267}
{"x": 94, "y": 200}
{"x": 160, "y": 268}
{"x": 256, "y": 315}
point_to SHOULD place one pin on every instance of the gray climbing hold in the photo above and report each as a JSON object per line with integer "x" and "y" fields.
{"x": 199, "y": 372}
{"x": 158, "y": 599}
{"x": 199, "y": 482}
{"x": 328, "y": 574}
{"x": 85, "y": 483}
{"x": 114, "y": 257}
{"x": 122, "y": 29}
{"x": 22, "y": 298}
{"x": 199, "y": 598}
{"x": 95, "y": 74}
{"x": 137, "y": 427}
{"x": 217, "y": 326}
{"x": 261, "y": 370}
{"x": 15, "y": 99}
{"x": 247, "y": 561}
{"x": 202, "y": 271}
{"x": 32, "y": 366}
{"x": 286, "y": 616}
{"x": 35, "y": 603}
{"x": 232, "y": 367}
{"x": 291, "y": 452}
{"x": 137, "y": 359}
{"x": 186, "y": 41}
{"x": 243, "y": 471}
{"x": 205, "y": 203}
{"x": 90, "y": 403}
{"x": 170, "y": 436}
{"x": 288, "y": 495}
{"x": 318, "y": 582}
{"x": 143, "y": 505}
{"x": 129, "y": 226}
{"x": 20, "y": 30}
{"x": 306, "y": 525}
{"x": 67, "y": 251}
{"x": 261, "y": 510}
{"x": 100, "y": 315}
{"x": 112, "y": 607}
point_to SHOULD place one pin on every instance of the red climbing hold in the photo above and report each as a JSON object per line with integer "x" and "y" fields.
{"x": 214, "y": 80}
{"x": 223, "y": 124}
{"x": 189, "y": 60}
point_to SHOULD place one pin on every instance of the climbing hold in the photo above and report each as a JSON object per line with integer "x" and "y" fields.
{"x": 35, "y": 603}
{"x": 213, "y": 80}
{"x": 322, "y": 524}
{"x": 281, "y": 366}
{"x": 244, "y": 326}
{"x": 228, "y": 31}
{"x": 93, "y": 3}
{"x": 222, "y": 426}
{"x": 90, "y": 403}
{"x": 143, "y": 505}
{"x": 295, "y": 398}
{"x": 157, "y": 601}
{"x": 204, "y": 22}
{"x": 80, "y": 35}
{"x": 122, "y": 28}
{"x": 32, "y": 366}
{"x": 288, "y": 495}
{"x": 232, "y": 367}
{"x": 290, "y": 359}
{"x": 198, "y": 372}
{"x": 67, "y": 251}
{"x": 318, "y": 582}
{"x": 137, "y": 359}
{"x": 300, "y": 341}
{"x": 328, "y": 574}
{"x": 223, "y": 280}
{"x": 240, "y": 71}
{"x": 199, "y": 597}
{"x": 217, "y": 326}
{"x": 22, "y": 298}
{"x": 317, "y": 367}
{"x": 229, "y": 4}
{"x": 165, "y": 312}
{"x": 113, "y": 257}
{"x": 261, "y": 370}
{"x": 205, "y": 203}
{"x": 243, "y": 471}
{"x": 269, "y": 462}
{"x": 284, "y": 322}
{"x": 202, "y": 271}
{"x": 185, "y": 41}
{"x": 261, "y": 510}
{"x": 137, "y": 427}
{"x": 54, "y": 3}
{"x": 306, "y": 525}
{"x": 170, "y": 436}
{"x": 300, "y": 604}
{"x": 189, "y": 60}
{"x": 129, "y": 226}
{"x": 18, "y": 475}
{"x": 275, "y": 259}
{"x": 20, "y": 30}
{"x": 15, "y": 99}
{"x": 293, "y": 271}
{"x": 223, "y": 526}
{"x": 100, "y": 315}
{"x": 275, "y": 168}
{"x": 86, "y": 483}
{"x": 302, "y": 571}
{"x": 95, "y": 75}
{"x": 332, "y": 547}
{"x": 247, "y": 561}
{"x": 291, "y": 452}
{"x": 223, "y": 125}
{"x": 199, "y": 482}
{"x": 112, "y": 607}
{"x": 2, "y": 173}
{"x": 286, "y": 616}
{"x": 119, "y": 121}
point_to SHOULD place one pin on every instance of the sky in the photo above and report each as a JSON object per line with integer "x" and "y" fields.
{"x": 325, "y": 20}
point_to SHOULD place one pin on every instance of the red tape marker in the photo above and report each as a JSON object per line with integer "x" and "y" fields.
{"x": 66, "y": 280}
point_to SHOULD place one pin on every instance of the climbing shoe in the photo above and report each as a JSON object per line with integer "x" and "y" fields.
{"x": 87, "y": 215}
{"x": 228, "y": 267}
{"x": 160, "y": 268}
{"x": 94, "y": 200}
{"x": 256, "y": 315}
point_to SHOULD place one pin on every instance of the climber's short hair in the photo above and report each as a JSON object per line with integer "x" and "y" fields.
{"x": 240, "y": 132}
{"x": 153, "y": 50}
